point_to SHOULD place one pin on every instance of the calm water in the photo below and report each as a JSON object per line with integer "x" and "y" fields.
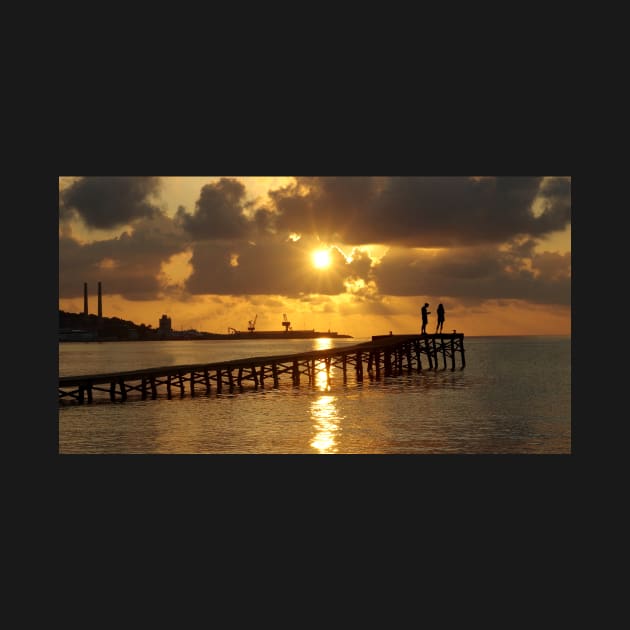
{"x": 514, "y": 396}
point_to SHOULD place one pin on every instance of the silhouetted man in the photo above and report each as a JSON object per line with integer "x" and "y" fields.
{"x": 440, "y": 316}
{"x": 425, "y": 318}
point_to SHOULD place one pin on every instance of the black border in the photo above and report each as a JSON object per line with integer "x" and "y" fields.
{"x": 421, "y": 143}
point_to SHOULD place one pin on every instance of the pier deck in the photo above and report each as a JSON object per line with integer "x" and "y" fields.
{"x": 384, "y": 356}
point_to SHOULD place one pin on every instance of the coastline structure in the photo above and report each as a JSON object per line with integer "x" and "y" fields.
{"x": 277, "y": 334}
{"x": 384, "y": 356}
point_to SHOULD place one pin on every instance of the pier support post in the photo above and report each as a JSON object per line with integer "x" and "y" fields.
{"x": 434, "y": 350}
{"x": 123, "y": 389}
{"x": 416, "y": 347}
{"x": 427, "y": 349}
{"x": 359, "y": 367}
{"x": 296, "y": 373}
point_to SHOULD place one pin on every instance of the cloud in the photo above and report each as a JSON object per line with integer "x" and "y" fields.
{"x": 109, "y": 202}
{"x": 270, "y": 266}
{"x": 476, "y": 274}
{"x": 129, "y": 264}
{"x": 422, "y": 211}
{"x": 218, "y": 212}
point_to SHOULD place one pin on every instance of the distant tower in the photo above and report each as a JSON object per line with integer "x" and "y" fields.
{"x": 100, "y": 305}
{"x": 165, "y": 326}
{"x": 85, "y": 301}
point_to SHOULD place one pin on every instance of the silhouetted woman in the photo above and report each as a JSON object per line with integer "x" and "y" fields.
{"x": 440, "y": 318}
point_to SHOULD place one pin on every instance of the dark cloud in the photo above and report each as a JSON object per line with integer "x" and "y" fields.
{"x": 264, "y": 221}
{"x": 551, "y": 266}
{"x": 477, "y": 273}
{"x": 555, "y": 195}
{"x": 269, "y": 266}
{"x": 361, "y": 264}
{"x": 422, "y": 211}
{"x": 109, "y": 202}
{"x": 128, "y": 265}
{"x": 218, "y": 212}
{"x": 330, "y": 208}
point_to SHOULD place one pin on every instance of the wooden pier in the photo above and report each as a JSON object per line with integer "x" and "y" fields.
{"x": 384, "y": 356}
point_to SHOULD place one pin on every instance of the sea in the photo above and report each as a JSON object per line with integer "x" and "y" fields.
{"x": 512, "y": 397}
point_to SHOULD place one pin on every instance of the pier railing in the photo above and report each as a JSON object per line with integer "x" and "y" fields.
{"x": 384, "y": 356}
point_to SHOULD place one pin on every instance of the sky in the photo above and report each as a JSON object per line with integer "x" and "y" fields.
{"x": 355, "y": 255}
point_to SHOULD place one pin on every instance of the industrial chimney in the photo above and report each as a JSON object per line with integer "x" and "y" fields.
{"x": 100, "y": 305}
{"x": 85, "y": 301}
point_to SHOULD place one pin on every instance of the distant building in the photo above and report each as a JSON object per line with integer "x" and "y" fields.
{"x": 165, "y": 328}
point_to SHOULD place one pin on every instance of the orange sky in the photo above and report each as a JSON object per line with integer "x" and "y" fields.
{"x": 495, "y": 253}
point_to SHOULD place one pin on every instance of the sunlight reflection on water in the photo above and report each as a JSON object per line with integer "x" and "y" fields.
{"x": 326, "y": 420}
{"x": 326, "y": 423}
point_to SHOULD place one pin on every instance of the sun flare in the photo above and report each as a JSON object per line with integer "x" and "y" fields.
{"x": 321, "y": 259}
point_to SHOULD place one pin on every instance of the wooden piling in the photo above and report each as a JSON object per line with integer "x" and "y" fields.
{"x": 359, "y": 367}
{"x": 427, "y": 349}
{"x": 274, "y": 374}
{"x": 296, "y": 373}
{"x": 123, "y": 390}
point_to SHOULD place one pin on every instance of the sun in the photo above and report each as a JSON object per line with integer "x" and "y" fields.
{"x": 321, "y": 259}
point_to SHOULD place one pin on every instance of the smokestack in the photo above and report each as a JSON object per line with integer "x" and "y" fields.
{"x": 85, "y": 301}
{"x": 100, "y": 304}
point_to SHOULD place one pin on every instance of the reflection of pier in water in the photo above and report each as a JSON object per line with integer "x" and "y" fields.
{"x": 384, "y": 356}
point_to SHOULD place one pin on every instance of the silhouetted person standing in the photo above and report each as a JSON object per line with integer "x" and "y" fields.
{"x": 425, "y": 318}
{"x": 440, "y": 316}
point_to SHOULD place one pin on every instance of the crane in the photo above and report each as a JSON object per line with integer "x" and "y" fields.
{"x": 286, "y": 323}
{"x": 251, "y": 325}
